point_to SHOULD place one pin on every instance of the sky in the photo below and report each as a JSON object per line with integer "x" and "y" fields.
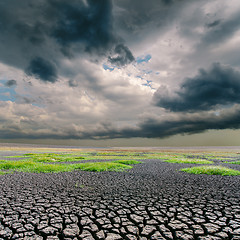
{"x": 120, "y": 72}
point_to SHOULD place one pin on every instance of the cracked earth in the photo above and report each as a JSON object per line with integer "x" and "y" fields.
{"x": 151, "y": 201}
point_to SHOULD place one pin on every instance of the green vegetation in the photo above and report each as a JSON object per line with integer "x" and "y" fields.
{"x": 212, "y": 170}
{"x": 49, "y": 157}
{"x": 189, "y": 160}
{"x": 38, "y": 167}
{"x": 14, "y": 156}
{"x": 127, "y": 162}
{"x": 236, "y": 162}
{"x": 123, "y": 155}
{"x": 40, "y": 161}
{"x": 30, "y": 166}
{"x": 101, "y": 166}
{"x": 79, "y": 186}
{"x": 53, "y": 157}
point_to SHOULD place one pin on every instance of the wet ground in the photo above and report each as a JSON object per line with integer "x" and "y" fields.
{"x": 151, "y": 201}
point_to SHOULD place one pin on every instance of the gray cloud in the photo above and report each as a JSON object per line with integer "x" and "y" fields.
{"x": 124, "y": 56}
{"x": 72, "y": 83}
{"x": 57, "y": 29}
{"x": 42, "y": 69}
{"x": 216, "y": 86}
{"x": 221, "y": 30}
{"x": 10, "y": 83}
{"x": 136, "y": 19}
{"x": 153, "y": 128}
{"x": 24, "y": 30}
{"x": 157, "y": 128}
{"x": 213, "y": 24}
{"x": 150, "y": 128}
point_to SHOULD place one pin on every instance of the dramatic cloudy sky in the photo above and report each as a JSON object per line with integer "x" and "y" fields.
{"x": 120, "y": 72}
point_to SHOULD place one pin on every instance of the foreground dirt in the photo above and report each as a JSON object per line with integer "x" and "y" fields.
{"x": 151, "y": 201}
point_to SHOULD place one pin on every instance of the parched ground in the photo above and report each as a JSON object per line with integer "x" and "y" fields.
{"x": 151, "y": 201}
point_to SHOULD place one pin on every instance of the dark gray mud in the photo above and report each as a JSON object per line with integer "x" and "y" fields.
{"x": 151, "y": 201}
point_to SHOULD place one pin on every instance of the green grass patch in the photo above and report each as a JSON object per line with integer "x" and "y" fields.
{"x": 53, "y": 157}
{"x": 39, "y": 161}
{"x": 29, "y": 154}
{"x": 30, "y": 166}
{"x": 78, "y": 156}
{"x": 3, "y": 173}
{"x": 49, "y": 168}
{"x": 14, "y": 165}
{"x": 212, "y": 170}
{"x": 38, "y": 167}
{"x": 189, "y": 160}
{"x": 118, "y": 153}
{"x": 111, "y": 155}
{"x": 127, "y": 162}
{"x": 22, "y": 156}
{"x": 236, "y": 162}
{"x": 104, "y": 157}
{"x": 101, "y": 166}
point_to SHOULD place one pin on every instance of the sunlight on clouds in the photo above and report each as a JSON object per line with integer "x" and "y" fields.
{"x": 125, "y": 74}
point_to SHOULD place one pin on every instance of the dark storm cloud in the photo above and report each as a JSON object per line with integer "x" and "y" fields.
{"x": 10, "y": 83}
{"x": 55, "y": 29}
{"x": 189, "y": 124}
{"x": 68, "y": 22}
{"x": 89, "y": 24}
{"x": 123, "y": 56}
{"x": 219, "y": 85}
{"x": 24, "y": 31}
{"x": 34, "y": 34}
{"x": 42, "y": 69}
{"x": 150, "y": 128}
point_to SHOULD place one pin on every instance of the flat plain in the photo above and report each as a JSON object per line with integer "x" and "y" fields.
{"x": 119, "y": 193}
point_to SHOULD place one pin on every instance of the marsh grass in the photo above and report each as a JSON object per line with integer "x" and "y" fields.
{"x": 235, "y": 162}
{"x": 38, "y": 167}
{"x": 71, "y": 157}
{"x": 102, "y": 166}
{"x": 14, "y": 165}
{"x": 3, "y": 173}
{"x": 212, "y": 170}
{"x": 42, "y": 162}
{"x": 115, "y": 155}
{"x": 21, "y": 156}
{"x": 30, "y": 166}
{"x": 104, "y": 157}
{"x": 53, "y": 157}
{"x": 49, "y": 157}
{"x": 220, "y": 156}
{"x": 189, "y": 160}
{"x": 127, "y": 162}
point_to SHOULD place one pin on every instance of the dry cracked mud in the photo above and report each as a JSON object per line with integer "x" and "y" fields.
{"x": 151, "y": 201}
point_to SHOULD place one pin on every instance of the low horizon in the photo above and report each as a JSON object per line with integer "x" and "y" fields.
{"x": 110, "y": 144}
